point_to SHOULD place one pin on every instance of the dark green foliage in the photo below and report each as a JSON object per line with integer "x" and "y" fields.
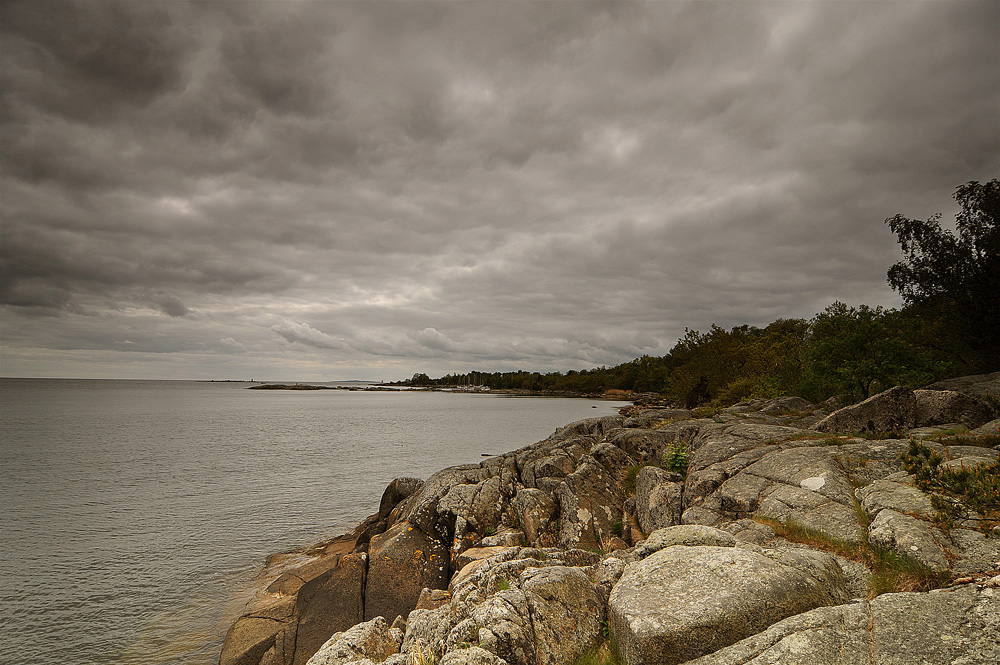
{"x": 956, "y": 494}
{"x": 861, "y": 351}
{"x": 953, "y": 280}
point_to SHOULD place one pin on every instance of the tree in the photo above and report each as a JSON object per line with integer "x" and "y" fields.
{"x": 956, "y": 278}
{"x": 860, "y": 351}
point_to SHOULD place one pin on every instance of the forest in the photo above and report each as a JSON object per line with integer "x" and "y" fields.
{"x": 949, "y": 325}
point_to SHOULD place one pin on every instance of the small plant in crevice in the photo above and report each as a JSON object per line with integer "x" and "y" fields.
{"x": 628, "y": 481}
{"x": 503, "y": 584}
{"x": 605, "y": 652}
{"x": 850, "y": 465}
{"x": 422, "y": 655}
{"x": 676, "y": 458}
{"x": 617, "y": 529}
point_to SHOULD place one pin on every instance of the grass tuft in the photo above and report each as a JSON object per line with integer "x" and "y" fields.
{"x": 606, "y": 652}
{"x": 890, "y": 571}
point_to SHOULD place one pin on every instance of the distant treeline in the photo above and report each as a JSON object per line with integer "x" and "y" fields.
{"x": 949, "y": 325}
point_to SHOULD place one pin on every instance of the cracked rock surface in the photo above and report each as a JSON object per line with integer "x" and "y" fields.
{"x": 537, "y": 555}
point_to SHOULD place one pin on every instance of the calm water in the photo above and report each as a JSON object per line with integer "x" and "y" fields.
{"x": 135, "y": 514}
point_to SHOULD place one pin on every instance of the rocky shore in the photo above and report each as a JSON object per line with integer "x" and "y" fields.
{"x": 663, "y": 534}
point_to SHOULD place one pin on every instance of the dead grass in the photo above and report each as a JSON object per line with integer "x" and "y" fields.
{"x": 890, "y": 571}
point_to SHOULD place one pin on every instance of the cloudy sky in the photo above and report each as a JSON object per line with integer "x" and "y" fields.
{"x": 324, "y": 190}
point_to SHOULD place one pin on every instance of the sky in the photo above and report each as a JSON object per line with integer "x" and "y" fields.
{"x": 332, "y": 190}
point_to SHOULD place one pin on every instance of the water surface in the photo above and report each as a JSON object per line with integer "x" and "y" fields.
{"x": 135, "y": 514}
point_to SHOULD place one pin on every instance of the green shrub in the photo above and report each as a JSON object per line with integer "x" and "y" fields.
{"x": 676, "y": 458}
{"x": 963, "y": 493}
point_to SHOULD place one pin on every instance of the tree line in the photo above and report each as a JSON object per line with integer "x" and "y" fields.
{"x": 949, "y": 325}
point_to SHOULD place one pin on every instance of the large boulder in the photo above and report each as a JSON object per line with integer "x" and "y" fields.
{"x": 683, "y": 602}
{"x": 977, "y": 385}
{"x": 957, "y": 626}
{"x": 397, "y": 490}
{"x": 893, "y": 410}
{"x": 299, "y": 610}
{"x": 565, "y": 612}
{"x": 402, "y": 562}
{"x": 939, "y": 407}
{"x": 535, "y": 511}
{"x": 420, "y": 508}
{"x": 371, "y": 640}
{"x": 590, "y": 503}
{"x": 658, "y": 498}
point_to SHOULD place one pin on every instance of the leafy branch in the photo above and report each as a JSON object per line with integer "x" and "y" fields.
{"x": 963, "y": 493}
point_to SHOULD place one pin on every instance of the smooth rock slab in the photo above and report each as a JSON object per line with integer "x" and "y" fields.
{"x": 959, "y": 626}
{"x": 683, "y": 602}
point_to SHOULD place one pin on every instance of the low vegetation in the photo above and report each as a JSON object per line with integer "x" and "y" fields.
{"x": 676, "y": 458}
{"x": 890, "y": 571}
{"x": 962, "y": 493}
{"x": 606, "y": 652}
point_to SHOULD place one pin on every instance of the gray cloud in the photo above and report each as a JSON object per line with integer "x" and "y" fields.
{"x": 339, "y": 189}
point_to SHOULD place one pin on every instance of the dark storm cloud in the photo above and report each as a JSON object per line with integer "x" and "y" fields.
{"x": 333, "y": 186}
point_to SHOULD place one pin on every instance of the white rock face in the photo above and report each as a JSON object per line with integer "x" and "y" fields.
{"x": 813, "y": 483}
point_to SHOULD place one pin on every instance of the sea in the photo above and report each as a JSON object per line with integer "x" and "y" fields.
{"x": 135, "y": 515}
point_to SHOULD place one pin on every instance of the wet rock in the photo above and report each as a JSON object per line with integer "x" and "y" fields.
{"x": 402, "y": 562}
{"x": 298, "y": 612}
{"x": 327, "y": 604}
